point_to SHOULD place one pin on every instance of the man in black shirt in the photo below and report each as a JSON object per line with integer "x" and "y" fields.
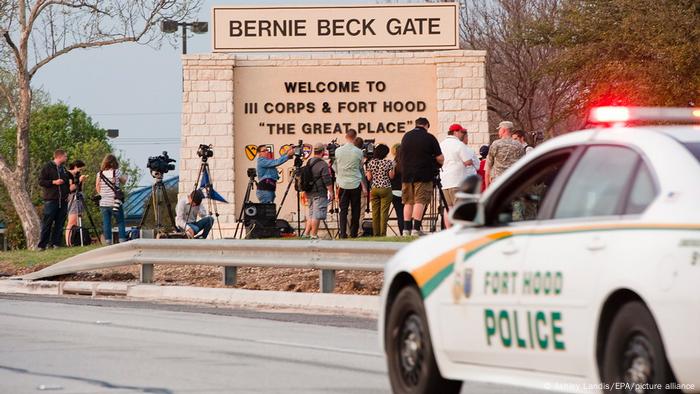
{"x": 420, "y": 158}
{"x": 53, "y": 179}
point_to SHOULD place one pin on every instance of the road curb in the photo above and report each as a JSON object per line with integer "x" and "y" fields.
{"x": 333, "y": 303}
{"x": 306, "y": 302}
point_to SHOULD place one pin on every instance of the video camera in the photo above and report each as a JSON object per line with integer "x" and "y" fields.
{"x": 252, "y": 173}
{"x": 331, "y": 147}
{"x": 298, "y": 153}
{"x": 205, "y": 151}
{"x": 368, "y": 148}
{"x": 160, "y": 164}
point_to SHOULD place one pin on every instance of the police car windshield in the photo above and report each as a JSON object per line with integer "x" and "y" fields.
{"x": 694, "y": 148}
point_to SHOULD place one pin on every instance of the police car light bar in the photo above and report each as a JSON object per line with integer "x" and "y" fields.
{"x": 632, "y": 114}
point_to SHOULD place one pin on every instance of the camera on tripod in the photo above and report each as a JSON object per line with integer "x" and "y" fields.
{"x": 368, "y": 148}
{"x": 160, "y": 164}
{"x": 252, "y": 173}
{"x": 205, "y": 151}
{"x": 331, "y": 147}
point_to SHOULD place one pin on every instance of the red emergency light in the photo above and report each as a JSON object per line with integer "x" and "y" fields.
{"x": 608, "y": 115}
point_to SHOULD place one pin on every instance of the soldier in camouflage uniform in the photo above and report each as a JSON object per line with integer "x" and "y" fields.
{"x": 502, "y": 153}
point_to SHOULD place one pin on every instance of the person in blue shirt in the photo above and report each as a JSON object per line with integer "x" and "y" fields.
{"x": 267, "y": 173}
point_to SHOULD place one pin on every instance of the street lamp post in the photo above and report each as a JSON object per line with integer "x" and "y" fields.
{"x": 169, "y": 26}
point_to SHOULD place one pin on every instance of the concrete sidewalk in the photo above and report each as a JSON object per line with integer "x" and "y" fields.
{"x": 357, "y": 305}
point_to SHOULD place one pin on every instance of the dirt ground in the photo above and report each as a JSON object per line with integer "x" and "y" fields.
{"x": 282, "y": 279}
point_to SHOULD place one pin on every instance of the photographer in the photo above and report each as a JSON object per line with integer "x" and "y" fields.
{"x": 420, "y": 157}
{"x": 187, "y": 210}
{"x": 348, "y": 170}
{"x": 53, "y": 179}
{"x": 75, "y": 203}
{"x": 321, "y": 191}
{"x": 108, "y": 185}
{"x": 267, "y": 173}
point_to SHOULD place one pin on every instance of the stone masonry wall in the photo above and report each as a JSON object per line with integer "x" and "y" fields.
{"x": 207, "y": 105}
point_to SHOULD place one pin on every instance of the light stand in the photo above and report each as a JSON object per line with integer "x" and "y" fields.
{"x": 170, "y": 26}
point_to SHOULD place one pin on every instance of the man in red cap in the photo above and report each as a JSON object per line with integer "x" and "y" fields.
{"x": 460, "y": 162}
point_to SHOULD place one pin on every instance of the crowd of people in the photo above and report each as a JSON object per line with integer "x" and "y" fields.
{"x": 407, "y": 181}
{"x": 357, "y": 180}
{"x": 62, "y": 192}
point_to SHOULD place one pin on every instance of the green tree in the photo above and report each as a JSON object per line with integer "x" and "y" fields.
{"x": 57, "y": 126}
{"x": 630, "y": 52}
{"x": 33, "y": 33}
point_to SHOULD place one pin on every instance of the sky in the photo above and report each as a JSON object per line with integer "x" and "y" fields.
{"x": 134, "y": 88}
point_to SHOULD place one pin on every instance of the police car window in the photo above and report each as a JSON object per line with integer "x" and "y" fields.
{"x": 528, "y": 191}
{"x": 642, "y": 193}
{"x": 597, "y": 183}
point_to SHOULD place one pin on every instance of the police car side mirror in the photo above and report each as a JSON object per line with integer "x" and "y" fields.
{"x": 471, "y": 185}
{"x": 467, "y": 206}
{"x": 465, "y": 212}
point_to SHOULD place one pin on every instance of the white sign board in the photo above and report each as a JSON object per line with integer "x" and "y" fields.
{"x": 432, "y": 26}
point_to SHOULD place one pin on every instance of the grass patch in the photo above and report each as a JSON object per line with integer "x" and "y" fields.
{"x": 28, "y": 258}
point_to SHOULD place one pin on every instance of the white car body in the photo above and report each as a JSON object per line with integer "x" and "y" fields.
{"x": 478, "y": 283}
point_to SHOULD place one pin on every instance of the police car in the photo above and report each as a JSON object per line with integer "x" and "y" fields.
{"x": 578, "y": 270}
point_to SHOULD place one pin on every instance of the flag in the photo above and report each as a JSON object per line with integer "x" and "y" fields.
{"x": 205, "y": 183}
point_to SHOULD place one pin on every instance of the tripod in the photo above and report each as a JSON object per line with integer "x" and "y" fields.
{"x": 297, "y": 167}
{"x": 81, "y": 199}
{"x": 439, "y": 211}
{"x": 205, "y": 174}
{"x": 246, "y": 200}
{"x": 158, "y": 194}
{"x": 334, "y": 205}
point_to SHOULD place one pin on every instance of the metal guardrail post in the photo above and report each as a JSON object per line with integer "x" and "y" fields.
{"x": 146, "y": 273}
{"x": 327, "y": 281}
{"x": 230, "y": 274}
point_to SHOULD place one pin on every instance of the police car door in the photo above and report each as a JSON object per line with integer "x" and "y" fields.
{"x": 568, "y": 253}
{"x": 487, "y": 322}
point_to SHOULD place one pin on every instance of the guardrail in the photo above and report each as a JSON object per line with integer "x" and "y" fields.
{"x": 327, "y": 256}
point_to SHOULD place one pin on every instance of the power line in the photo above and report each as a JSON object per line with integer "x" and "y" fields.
{"x": 136, "y": 113}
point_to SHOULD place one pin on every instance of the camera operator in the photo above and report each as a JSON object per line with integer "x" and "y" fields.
{"x": 267, "y": 173}
{"x": 187, "y": 210}
{"x": 420, "y": 157}
{"x": 53, "y": 179}
{"x": 108, "y": 185}
{"x": 75, "y": 203}
{"x": 320, "y": 194}
{"x": 348, "y": 172}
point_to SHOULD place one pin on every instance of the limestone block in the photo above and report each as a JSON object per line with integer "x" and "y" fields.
{"x": 470, "y": 105}
{"x": 445, "y": 94}
{"x": 451, "y": 83}
{"x": 463, "y": 94}
{"x": 473, "y": 82}
{"x": 200, "y": 107}
{"x": 221, "y": 86}
{"x": 453, "y": 105}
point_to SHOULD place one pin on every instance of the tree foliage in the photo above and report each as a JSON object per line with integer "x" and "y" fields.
{"x": 549, "y": 61}
{"x": 630, "y": 52}
{"x": 57, "y": 126}
{"x": 35, "y": 32}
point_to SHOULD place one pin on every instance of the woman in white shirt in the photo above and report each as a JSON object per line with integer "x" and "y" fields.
{"x": 109, "y": 185}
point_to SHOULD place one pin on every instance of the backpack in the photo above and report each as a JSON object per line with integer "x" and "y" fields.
{"x": 75, "y": 236}
{"x": 304, "y": 180}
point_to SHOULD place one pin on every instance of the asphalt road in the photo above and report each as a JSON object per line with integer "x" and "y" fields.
{"x": 88, "y": 346}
